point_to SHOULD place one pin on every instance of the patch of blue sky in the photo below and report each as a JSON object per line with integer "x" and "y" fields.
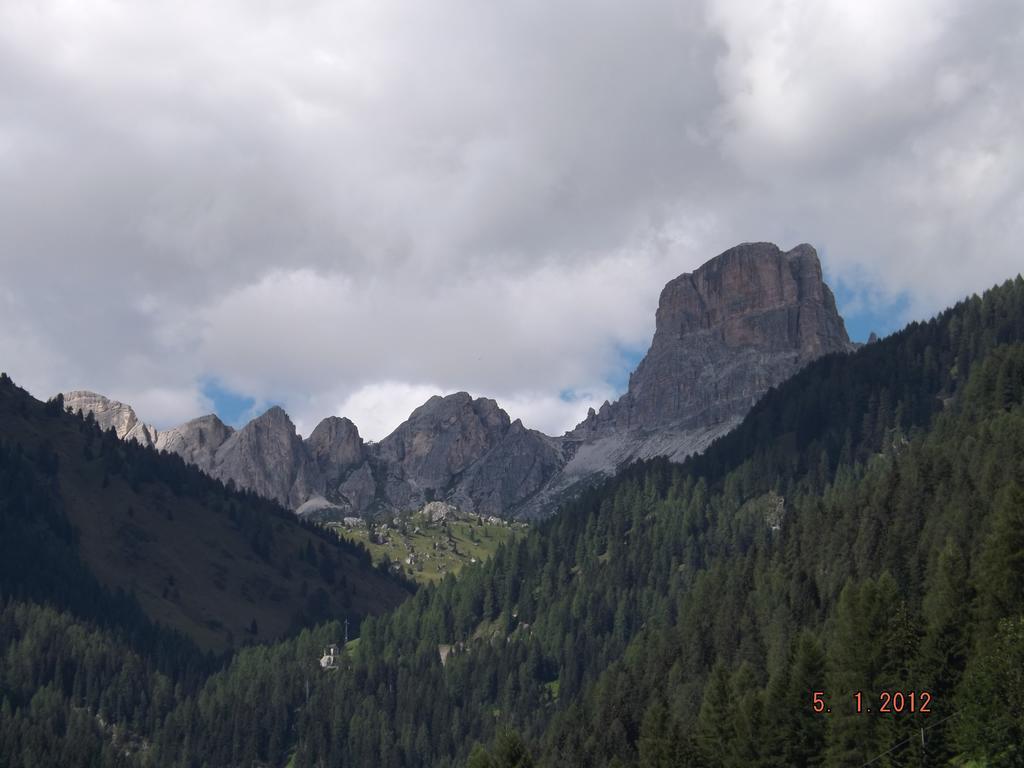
{"x": 865, "y": 311}
{"x": 626, "y": 360}
{"x": 232, "y": 407}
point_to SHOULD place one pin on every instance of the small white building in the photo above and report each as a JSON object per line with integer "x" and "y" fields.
{"x": 330, "y": 658}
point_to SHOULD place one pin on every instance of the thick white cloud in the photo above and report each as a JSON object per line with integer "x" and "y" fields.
{"x": 523, "y": 339}
{"x": 343, "y": 206}
{"x": 376, "y": 408}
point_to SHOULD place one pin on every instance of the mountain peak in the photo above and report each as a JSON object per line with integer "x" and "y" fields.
{"x": 267, "y": 456}
{"x": 742, "y": 322}
{"x": 335, "y": 446}
{"x": 196, "y": 441}
{"x": 754, "y": 295}
{"x": 274, "y": 413}
{"x": 111, "y": 413}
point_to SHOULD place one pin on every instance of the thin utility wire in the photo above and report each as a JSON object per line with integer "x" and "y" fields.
{"x": 909, "y": 739}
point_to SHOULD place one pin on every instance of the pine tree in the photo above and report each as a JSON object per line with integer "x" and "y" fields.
{"x": 947, "y": 614}
{"x": 1001, "y": 571}
{"x": 795, "y": 733}
{"x": 990, "y": 728}
{"x": 715, "y": 725}
{"x": 656, "y": 737}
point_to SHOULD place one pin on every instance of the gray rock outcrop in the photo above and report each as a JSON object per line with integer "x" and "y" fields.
{"x": 511, "y": 474}
{"x": 196, "y": 441}
{"x": 267, "y": 456}
{"x": 442, "y": 439}
{"x": 746, "y": 320}
{"x": 336, "y": 448}
{"x": 724, "y": 334}
{"x": 111, "y": 413}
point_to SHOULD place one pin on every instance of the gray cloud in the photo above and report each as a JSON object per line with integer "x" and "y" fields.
{"x": 342, "y": 206}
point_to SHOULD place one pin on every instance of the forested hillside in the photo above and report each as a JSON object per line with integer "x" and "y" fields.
{"x": 862, "y": 530}
{"x": 123, "y": 572}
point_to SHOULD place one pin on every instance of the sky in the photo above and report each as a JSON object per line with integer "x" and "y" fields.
{"x": 346, "y": 207}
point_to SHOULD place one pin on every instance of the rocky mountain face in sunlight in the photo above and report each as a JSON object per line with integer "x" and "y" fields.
{"x": 111, "y": 414}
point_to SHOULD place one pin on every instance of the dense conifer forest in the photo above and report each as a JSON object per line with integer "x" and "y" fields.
{"x": 861, "y": 531}
{"x": 87, "y": 667}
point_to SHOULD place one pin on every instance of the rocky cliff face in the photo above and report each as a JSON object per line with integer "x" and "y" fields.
{"x": 466, "y": 451}
{"x": 335, "y": 448}
{"x": 441, "y": 439}
{"x": 267, "y": 456}
{"x": 743, "y": 322}
{"x": 196, "y": 441}
{"x": 344, "y": 480}
{"x": 511, "y": 474}
{"x": 111, "y": 413}
{"x": 450, "y": 447}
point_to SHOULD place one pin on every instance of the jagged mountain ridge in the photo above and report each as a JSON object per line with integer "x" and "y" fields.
{"x": 743, "y": 322}
{"x": 454, "y": 447}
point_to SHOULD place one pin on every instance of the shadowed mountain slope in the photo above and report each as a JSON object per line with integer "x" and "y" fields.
{"x": 221, "y": 566}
